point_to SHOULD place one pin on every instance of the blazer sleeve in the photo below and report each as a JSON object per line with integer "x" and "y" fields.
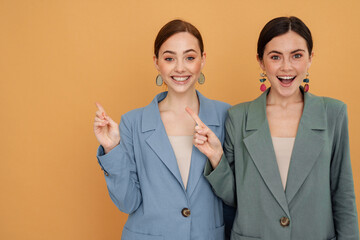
{"x": 120, "y": 171}
{"x": 342, "y": 186}
{"x": 222, "y": 177}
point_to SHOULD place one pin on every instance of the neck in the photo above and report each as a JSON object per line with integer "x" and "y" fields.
{"x": 178, "y": 101}
{"x": 274, "y": 98}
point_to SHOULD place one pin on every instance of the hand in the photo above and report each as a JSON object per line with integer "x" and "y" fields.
{"x": 106, "y": 130}
{"x": 206, "y": 141}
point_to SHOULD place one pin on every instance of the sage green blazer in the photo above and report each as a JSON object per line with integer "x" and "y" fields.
{"x": 318, "y": 202}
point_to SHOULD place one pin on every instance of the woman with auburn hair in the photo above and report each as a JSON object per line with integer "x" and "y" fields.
{"x": 151, "y": 168}
{"x": 286, "y": 163}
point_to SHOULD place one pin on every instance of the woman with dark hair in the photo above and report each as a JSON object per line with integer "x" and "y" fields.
{"x": 151, "y": 168}
{"x": 286, "y": 163}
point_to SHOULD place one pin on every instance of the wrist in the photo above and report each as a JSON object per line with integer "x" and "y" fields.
{"x": 109, "y": 148}
{"x": 215, "y": 160}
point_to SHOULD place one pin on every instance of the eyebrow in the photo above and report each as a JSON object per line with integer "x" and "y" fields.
{"x": 172, "y": 52}
{"x": 297, "y": 50}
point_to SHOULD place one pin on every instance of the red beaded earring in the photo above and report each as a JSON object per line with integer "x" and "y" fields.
{"x": 262, "y": 80}
{"x": 306, "y": 81}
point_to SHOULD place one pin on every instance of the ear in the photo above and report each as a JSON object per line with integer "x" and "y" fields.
{"x": 310, "y": 59}
{"x": 203, "y": 60}
{"x": 261, "y": 62}
{"x": 156, "y": 62}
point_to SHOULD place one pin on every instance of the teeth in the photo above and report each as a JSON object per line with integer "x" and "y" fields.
{"x": 180, "y": 79}
{"x": 286, "y": 78}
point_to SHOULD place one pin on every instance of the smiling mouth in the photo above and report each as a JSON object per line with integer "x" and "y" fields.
{"x": 286, "y": 80}
{"x": 180, "y": 79}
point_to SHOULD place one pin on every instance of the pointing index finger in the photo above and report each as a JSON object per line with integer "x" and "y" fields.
{"x": 195, "y": 117}
{"x": 100, "y": 107}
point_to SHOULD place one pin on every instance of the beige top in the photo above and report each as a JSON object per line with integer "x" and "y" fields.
{"x": 283, "y": 149}
{"x": 182, "y": 146}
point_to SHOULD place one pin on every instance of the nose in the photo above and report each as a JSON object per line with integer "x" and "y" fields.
{"x": 286, "y": 64}
{"x": 179, "y": 67}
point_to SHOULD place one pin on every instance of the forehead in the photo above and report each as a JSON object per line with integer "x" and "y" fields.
{"x": 287, "y": 42}
{"x": 180, "y": 42}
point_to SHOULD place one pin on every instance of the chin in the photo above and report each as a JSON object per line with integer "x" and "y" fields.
{"x": 289, "y": 92}
{"x": 182, "y": 89}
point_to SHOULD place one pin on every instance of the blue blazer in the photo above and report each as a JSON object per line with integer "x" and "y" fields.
{"x": 144, "y": 180}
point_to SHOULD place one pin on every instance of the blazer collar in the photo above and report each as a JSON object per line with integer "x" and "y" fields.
{"x": 307, "y": 147}
{"x": 151, "y": 114}
{"x": 313, "y": 116}
{"x": 159, "y": 142}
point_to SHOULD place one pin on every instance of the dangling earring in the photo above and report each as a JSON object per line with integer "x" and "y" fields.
{"x": 201, "y": 78}
{"x": 262, "y": 80}
{"x": 159, "y": 80}
{"x": 306, "y": 81}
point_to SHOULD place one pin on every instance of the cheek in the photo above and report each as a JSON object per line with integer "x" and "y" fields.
{"x": 303, "y": 67}
{"x": 163, "y": 68}
{"x": 196, "y": 66}
{"x": 271, "y": 69}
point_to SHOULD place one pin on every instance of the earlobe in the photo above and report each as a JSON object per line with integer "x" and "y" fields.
{"x": 204, "y": 55}
{"x": 261, "y": 62}
{"x": 310, "y": 59}
{"x": 203, "y": 59}
{"x": 262, "y": 65}
{"x": 311, "y": 56}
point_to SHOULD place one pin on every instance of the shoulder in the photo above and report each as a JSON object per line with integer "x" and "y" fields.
{"x": 333, "y": 107}
{"x": 149, "y": 111}
{"x": 133, "y": 114}
{"x": 219, "y": 105}
{"x": 215, "y": 110}
{"x": 240, "y": 109}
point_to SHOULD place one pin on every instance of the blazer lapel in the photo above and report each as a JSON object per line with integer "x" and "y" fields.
{"x": 309, "y": 143}
{"x": 207, "y": 114}
{"x": 158, "y": 140}
{"x": 261, "y": 150}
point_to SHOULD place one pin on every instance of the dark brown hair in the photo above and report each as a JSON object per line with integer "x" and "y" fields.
{"x": 279, "y": 26}
{"x": 173, "y": 27}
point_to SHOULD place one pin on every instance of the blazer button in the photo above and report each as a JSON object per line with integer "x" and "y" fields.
{"x": 185, "y": 212}
{"x": 284, "y": 221}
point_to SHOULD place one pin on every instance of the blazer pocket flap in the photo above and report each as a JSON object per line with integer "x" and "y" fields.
{"x": 218, "y": 233}
{"x": 237, "y": 236}
{"x": 130, "y": 235}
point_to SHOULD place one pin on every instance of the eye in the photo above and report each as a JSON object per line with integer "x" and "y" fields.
{"x": 275, "y": 57}
{"x": 297, "y": 55}
{"x": 169, "y": 59}
{"x": 190, "y": 58}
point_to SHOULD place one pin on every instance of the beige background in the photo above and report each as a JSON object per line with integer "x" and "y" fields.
{"x": 57, "y": 57}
